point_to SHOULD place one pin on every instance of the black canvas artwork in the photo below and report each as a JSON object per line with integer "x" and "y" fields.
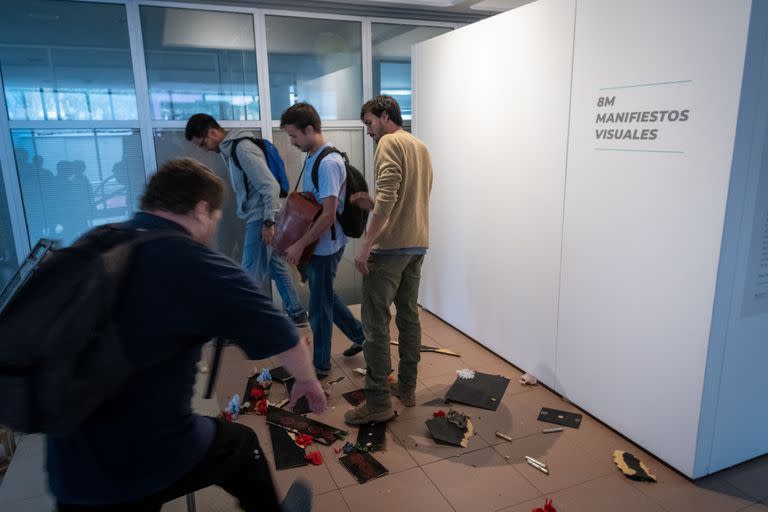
{"x": 280, "y": 374}
{"x": 320, "y": 432}
{"x": 372, "y": 437}
{"x": 484, "y": 391}
{"x": 355, "y": 397}
{"x": 287, "y": 453}
{"x": 566, "y": 419}
{"x": 437, "y": 402}
{"x": 302, "y": 405}
{"x": 454, "y": 429}
{"x": 363, "y": 466}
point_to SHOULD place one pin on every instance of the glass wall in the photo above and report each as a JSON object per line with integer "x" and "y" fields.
{"x": 72, "y": 180}
{"x": 391, "y": 45}
{"x": 170, "y": 143}
{"x": 200, "y": 61}
{"x": 317, "y": 61}
{"x": 8, "y": 260}
{"x": 66, "y": 61}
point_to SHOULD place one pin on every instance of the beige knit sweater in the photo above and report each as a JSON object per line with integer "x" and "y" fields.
{"x": 403, "y": 170}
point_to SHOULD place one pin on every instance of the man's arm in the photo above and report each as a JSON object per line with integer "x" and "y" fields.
{"x": 321, "y": 225}
{"x": 375, "y": 227}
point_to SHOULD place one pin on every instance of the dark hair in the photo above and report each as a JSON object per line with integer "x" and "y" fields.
{"x": 301, "y": 115}
{"x": 198, "y": 126}
{"x": 180, "y": 184}
{"x": 381, "y": 104}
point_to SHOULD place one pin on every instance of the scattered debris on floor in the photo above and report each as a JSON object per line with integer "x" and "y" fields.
{"x": 436, "y": 350}
{"x": 363, "y": 466}
{"x": 537, "y": 464}
{"x": 280, "y": 374}
{"x": 454, "y": 428}
{"x": 558, "y": 417}
{"x": 354, "y": 397}
{"x": 361, "y": 371}
{"x": 372, "y": 437}
{"x": 484, "y": 391}
{"x": 528, "y": 379}
{"x": 286, "y": 452}
{"x": 320, "y": 432}
{"x": 315, "y": 458}
{"x": 551, "y": 430}
{"x": 503, "y": 436}
{"x": 632, "y": 467}
{"x": 548, "y": 507}
{"x": 466, "y": 373}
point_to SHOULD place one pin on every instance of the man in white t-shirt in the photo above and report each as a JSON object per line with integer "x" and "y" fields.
{"x": 302, "y": 124}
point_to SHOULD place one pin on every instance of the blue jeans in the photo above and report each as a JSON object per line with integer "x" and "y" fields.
{"x": 260, "y": 262}
{"x": 326, "y": 309}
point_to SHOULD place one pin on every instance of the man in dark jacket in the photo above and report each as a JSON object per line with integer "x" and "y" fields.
{"x": 147, "y": 446}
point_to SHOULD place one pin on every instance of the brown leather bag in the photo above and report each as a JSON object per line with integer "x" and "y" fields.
{"x": 300, "y": 212}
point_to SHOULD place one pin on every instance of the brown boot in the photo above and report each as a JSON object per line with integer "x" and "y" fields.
{"x": 362, "y": 414}
{"x": 408, "y": 398}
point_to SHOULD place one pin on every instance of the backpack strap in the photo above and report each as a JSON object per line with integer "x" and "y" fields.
{"x": 259, "y": 144}
{"x": 315, "y": 178}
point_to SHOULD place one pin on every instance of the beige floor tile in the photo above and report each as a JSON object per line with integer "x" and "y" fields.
{"x": 408, "y": 491}
{"x": 479, "y": 481}
{"x": 318, "y": 476}
{"x": 608, "y": 494}
{"x": 569, "y": 465}
{"x": 415, "y": 437}
{"x": 750, "y": 478}
{"x": 675, "y": 492}
{"x": 445, "y": 335}
{"x": 329, "y": 502}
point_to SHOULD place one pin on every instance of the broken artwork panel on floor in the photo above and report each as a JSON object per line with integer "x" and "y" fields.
{"x": 363, "y": 466}
{"x": 287, "y": 453}
{"x": 320, "y": 432}
{"x": 483, "y": 390}
{"x": 355, "y": 397}
{"x": 372, "y": 437}
{"x": 302, "y": 405}
{"x": 564, "y": 418}
{"x": 455, "y": 428}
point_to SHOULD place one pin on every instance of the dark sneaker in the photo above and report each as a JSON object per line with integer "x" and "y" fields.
{"x": 322, "y": 375}
{"x": 301, "y": 321}
{"x": 408, "y": 398}
{"x": 362, "y": 414}
{"x": 299, "y": 497}
{"x": 353, "y": 350}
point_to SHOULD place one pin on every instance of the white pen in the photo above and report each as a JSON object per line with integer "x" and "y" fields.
{"x": 540, "y": 468}
{"x": 536, "y": 462}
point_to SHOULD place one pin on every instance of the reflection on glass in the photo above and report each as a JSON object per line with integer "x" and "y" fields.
{"x": 72, "y": 180}
{"x": 317, "y": 61}
{"x": 65, "y": 60}
{"x": 392, "y": 59}
{"x": 169, "y": 144}
{"x": 8, "y": 260}
{"x": 348, "y": 283}
{"x": 200, "y": 61}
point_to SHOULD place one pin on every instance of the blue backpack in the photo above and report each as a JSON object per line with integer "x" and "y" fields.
{"x": 274, "y": 162}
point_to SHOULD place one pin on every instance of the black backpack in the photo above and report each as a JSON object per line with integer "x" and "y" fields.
{"x": 352, "y": 219}
{"x": 60, "y": 353}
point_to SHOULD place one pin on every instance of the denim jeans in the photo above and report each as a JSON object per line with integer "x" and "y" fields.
{"x": 262, "y": 264}
{"x": 326, "y": 309}
{"x": 391, "y": 279}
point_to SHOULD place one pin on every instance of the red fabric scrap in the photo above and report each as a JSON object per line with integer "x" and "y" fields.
{"x": 257, "y": 393}
{"x": 304, "y": 440}
{"x": 226, "y": 415}
{"x": 261, "y": 406}
{"x": 337, "y": 451}
{"x": 439, "y": 414}
{"x": 547, "y": 507}
{"x": 315, "y": 458}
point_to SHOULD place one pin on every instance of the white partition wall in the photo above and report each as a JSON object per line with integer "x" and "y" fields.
{"x": 493, "y": 108}
{"x": 598, "y": 218}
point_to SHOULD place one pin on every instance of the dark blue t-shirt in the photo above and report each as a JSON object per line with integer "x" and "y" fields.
{"x": 178, "y": 295}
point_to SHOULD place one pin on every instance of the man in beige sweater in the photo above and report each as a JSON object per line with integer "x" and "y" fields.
{"x": 390, "y": 257}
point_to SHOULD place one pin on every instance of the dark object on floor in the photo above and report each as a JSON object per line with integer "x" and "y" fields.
{"x": 632, "y": 467}
{"x": 484, "y": 391}
{"x": 353, "y": 350}
{"x": 280, "y": 374}
{"x": 287, "y": 453}
{"x": 566, "y": 419}
{"x": 302, "y": 406}
{"x": 355, "y": 397}
{"x": 447, "y": 430}
{"x": 373, "y": 437}
{"x": 320, "y": 432}
{"x": 363, "y": 466}
{"x": 439, "y": 350}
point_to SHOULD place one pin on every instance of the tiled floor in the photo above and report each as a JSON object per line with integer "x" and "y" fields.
{"x": 488, "y": 475}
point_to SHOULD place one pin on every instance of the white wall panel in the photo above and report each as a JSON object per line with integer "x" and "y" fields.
{"x": 491, "y": 103}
